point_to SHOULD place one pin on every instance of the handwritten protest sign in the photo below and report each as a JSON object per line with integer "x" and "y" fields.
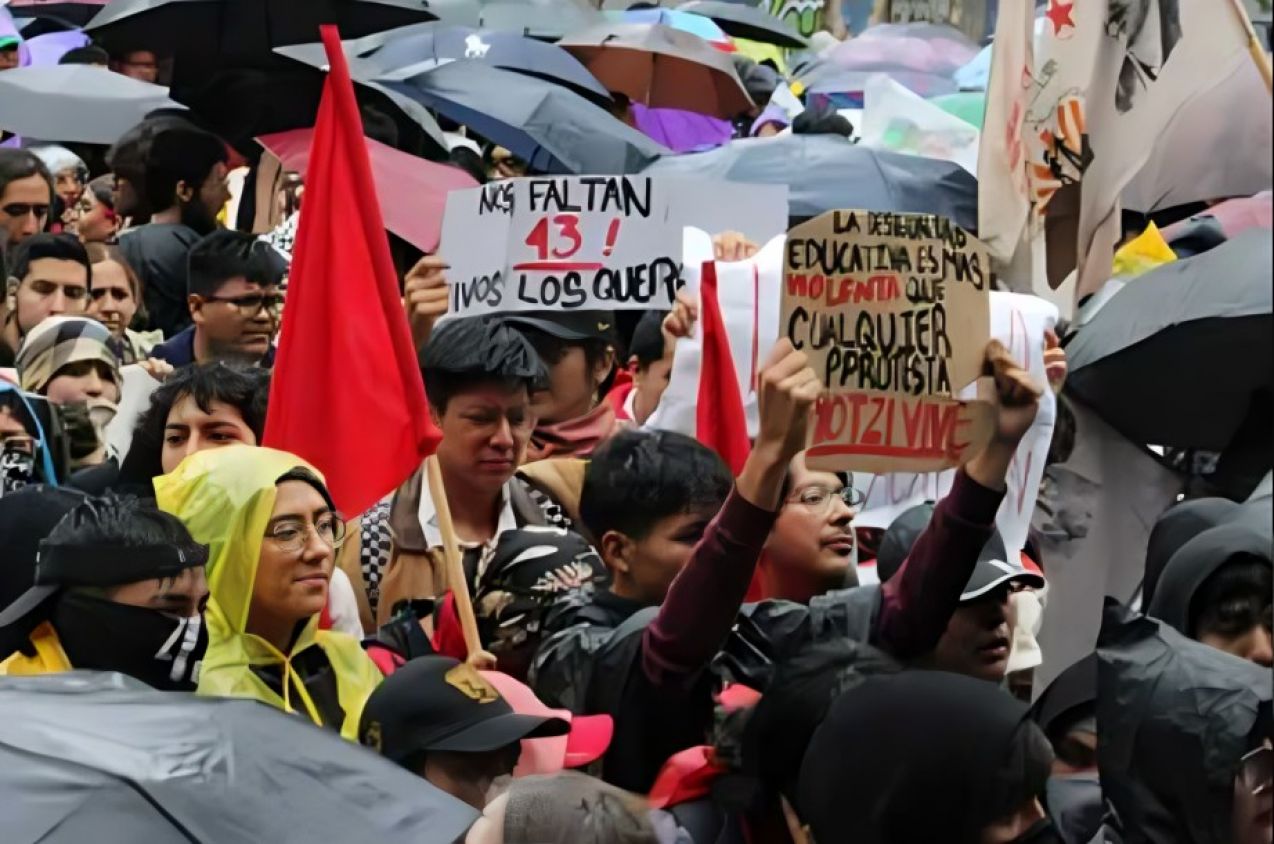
{"x": 892, "y": 310}
{"x": 561, "y": 243}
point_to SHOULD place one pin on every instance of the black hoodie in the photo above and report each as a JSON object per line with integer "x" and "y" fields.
{"x": 1175, "y": 717}
{"x": 1199, "y": 559}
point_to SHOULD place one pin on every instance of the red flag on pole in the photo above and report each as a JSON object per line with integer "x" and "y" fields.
{"x": 720, "y": 422}
{"x": 347, "y": 393}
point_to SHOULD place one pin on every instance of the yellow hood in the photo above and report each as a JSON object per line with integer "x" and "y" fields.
{"x": 225, "y": 497}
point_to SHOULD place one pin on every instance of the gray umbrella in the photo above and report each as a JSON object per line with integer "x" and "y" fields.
{"x": 84, "y": 752}
{"x": 1178, "y": 355}
{"x": 824, "y": 172}
{"x": 78, "y": 103}
{"x": 546, "y": 19}
{"x": 552, "y": 129}
{"x": 750, "y": 22}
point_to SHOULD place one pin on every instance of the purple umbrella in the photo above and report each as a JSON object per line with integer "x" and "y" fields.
{"x": 917, "y": 47}
{"x": 45, "y": 50}
{"x": 681, "y": 131}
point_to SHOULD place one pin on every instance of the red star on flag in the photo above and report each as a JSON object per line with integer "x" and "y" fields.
{"x": 1059, "y": 14}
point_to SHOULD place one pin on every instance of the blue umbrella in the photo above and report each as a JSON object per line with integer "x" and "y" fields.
{"x": 824, "y": 172}
{"x": 552, "y": 129}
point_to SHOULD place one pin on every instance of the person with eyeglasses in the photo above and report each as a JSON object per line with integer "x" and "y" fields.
{"x": 49, "y": 275}
{"x": 812, "y": 549}
{"x": 234, "y": 300}
{"x": 273, "y": 533}
{"x": 26, "y": 193}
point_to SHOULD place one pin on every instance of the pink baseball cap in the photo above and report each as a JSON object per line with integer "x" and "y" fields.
{"x": 587, "y": 740}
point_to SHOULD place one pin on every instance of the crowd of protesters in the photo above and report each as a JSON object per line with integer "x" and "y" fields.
{"x": 627, "y": 689}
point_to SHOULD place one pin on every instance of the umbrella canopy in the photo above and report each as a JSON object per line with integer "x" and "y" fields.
{"x": 546, "y": 19}
{"x": 552, "y": 129}
{"x": 77, "y": 12}
{"x": 678, "y": 19}
{"x": 412, "y": 191}
{"x": 920, "y": 47}
{"x": 49, "y": 48}
{"x": 681, "y": 131}
{"x": 661, "y": 67}
{"x": 428, "y": 45}
{"x": 1175, "y": 357}
{"x": 78, "y": 103}
{"x": 823, "y": 172}
{"x": 84, "y": 752}
{"x": 205, "y": 35}
{"x": 750, "y": 22}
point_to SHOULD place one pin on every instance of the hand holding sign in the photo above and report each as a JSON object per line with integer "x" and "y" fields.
{"x": 893, "y": 310}
{"x": 787, "y": 389}
{"x": 426, "y": 294}
{"x": 1016, "y": 401}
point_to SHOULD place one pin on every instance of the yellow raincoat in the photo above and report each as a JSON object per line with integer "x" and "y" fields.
{"x": 49, "y": 657}
{"x": 225, "y": 497}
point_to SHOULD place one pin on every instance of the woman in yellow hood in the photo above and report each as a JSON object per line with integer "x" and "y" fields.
{"x": 272, "y": 533}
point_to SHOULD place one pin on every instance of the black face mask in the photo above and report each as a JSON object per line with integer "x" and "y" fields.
{"x": 159, "y": 649}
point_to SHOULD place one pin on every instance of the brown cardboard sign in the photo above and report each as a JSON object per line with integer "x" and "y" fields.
{"x": 893, "y": 311}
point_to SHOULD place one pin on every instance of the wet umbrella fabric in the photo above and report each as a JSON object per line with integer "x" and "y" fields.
{"x": 544, "y": 19}
{"x": 205, "y": 35}
{"x": 823, "y": 172}
{"x": 1161, "y": 361}
{"x": 79, "y": 103}
{"x": 1175, "y": 716}
{"x": 552, "y": 129}
{"x": 750, "y": 22}
{"x": 432, "y": 44}
{"x": 85, "y": 751}
{"x": 661, "y": 67}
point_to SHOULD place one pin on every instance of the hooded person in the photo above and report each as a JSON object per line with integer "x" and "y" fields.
{"x": 1217, "y": 589}
{"x": 70, "y": 175}
{"x": 120, "y": 567}
{"x": 1174, "y": 528}
{"x": 272, "y": 533}
{"x": 924, "y": 756}
{"x": 69, "y": 361}
{"x": 1067, "y": 713}
{"x": 1184, "y": 751}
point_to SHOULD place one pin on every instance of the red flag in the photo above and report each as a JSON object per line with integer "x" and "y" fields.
{"x": 347, "y": 393}
{"x": 720, "y": 422}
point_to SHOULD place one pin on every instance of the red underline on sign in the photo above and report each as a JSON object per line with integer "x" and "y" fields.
{"x": 556, "y": 266}
{"x": 874, "y": 451}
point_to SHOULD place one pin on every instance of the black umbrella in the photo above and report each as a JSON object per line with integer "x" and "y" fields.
{"x": 1174, "y": 716}
{"x": 824, "y": 172}
{"x": 750, "y": 22}
{"x": 431, "y": 44}
{"x": 552, "y": 129}
{"x": 205, "y": 35}
{"x": 87, "y": 756}
{"x": 1178, "y": 355}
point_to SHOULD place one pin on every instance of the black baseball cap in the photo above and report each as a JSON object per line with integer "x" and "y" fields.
{"x": 568, "y": 325}
{"x": 438, "y": 703}
{"x": 992, "y": 568}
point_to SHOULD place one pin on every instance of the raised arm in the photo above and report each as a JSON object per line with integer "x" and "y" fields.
{"x": 703, "y": 601}
{"x": 918, "y": 601}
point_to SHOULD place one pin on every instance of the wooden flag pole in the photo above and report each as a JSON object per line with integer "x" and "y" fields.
{"x": 1254, "y": 45}
{"x": 455, "y": 568}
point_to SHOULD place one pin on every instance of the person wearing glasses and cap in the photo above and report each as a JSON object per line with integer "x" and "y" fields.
{"x": 234, "y": 301}
{"x": 112, "y": 566}
{"x": 272, "y": 532}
